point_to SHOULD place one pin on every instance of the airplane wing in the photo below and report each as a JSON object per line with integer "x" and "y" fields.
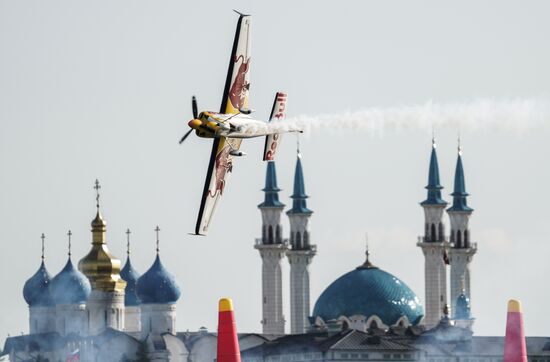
{"x": 235, "y": 97}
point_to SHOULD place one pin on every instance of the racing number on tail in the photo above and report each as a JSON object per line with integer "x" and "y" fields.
{"x": 277, "y": 113}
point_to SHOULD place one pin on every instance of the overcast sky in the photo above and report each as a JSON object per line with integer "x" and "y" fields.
{"x": 102, "y": 90}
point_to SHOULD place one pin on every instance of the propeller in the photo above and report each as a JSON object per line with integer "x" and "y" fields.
{"x": 195, "y": 116}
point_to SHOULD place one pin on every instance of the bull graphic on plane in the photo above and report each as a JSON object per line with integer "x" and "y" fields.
{"x": 231, "y": 124}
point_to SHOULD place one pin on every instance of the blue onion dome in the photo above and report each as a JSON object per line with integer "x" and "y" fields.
{"x": 37, "y": 289}
{"x": 462, "y": 307}
{"x": 157, "y": 285}
{"x": 70, "y": 286}
{"x": 131, "y": 276}
{"x": 369, "y": 291}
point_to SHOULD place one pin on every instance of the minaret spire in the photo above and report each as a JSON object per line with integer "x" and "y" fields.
{"x": 301, "y": 252}
{"x": 463, "y": 250}
{"x": 433, "y": 243}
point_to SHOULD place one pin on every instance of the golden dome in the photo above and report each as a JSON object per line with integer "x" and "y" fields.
{"x": 100, "y": 266}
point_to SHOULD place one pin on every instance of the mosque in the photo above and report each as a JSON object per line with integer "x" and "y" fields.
{"x": 99, "y": 311}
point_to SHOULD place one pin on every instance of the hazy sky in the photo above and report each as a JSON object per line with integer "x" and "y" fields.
{"x": 102, "y": 90}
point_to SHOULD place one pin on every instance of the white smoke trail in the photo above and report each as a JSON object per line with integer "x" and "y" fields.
{"x": 518, "y": 115}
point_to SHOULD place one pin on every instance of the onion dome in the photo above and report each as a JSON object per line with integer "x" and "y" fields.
{"x": 157, "y": 285}
{"x": 100, "y": 266}
{"x": 369, "y": 291}
{"x": 130, "y": 276}
{"x": 37, "y": 289}
{"x": 462, "y": 309}
{"x": 70, "y": 286}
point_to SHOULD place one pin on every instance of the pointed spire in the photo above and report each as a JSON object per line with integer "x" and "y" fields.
{"x": 459, "y": 193}
{"x": 434, "y": 187}
{"x": 367, "y": 264}
{"x": 271, "y": 190}
{"x": 299, "y": 196}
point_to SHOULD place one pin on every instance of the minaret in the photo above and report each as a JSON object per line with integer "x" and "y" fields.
{"x": 462, "y": 250}
{"x": 434, "y": 246}
{"x": 106, "y": 302}
{"x": 300, "y": 254}
{"x": 272, "y": 249}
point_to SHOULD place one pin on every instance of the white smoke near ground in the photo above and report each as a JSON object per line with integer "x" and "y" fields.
{"x": 515, "y": 115}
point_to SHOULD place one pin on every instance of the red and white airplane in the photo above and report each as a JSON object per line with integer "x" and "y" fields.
{"x": 231, "y": 124}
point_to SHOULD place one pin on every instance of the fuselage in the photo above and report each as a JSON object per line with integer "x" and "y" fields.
{"x": 214, "y": 125}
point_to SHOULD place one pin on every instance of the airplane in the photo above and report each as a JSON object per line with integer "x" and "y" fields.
{"x": 228, "y": 342}
{"x": 232, "y": 124}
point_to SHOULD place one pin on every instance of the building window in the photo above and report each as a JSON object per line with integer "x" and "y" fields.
{"x": 270, "y": 235}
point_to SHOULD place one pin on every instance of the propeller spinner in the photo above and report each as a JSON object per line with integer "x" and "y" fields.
{"x": 195, "y": 116}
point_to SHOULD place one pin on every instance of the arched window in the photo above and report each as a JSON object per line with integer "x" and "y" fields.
{"x": 345, "y": 325}
{"x": 298, "y": 240}
{"x": 264, "y": 234}
{"x": 467, "y": 238}
{"x": 458, "y": 239}
{"x": 433, "y": 236}
{"x": 441, "y": 231}
{"x": 373, "y": 325}
{"x": 270, "y": 235}
{"x": 306, "y": 239}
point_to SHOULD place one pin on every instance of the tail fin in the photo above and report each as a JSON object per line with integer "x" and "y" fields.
{"x": 514, "y": 342}
{"x": 228, "y": 344}
{"x": 272, "y": 141}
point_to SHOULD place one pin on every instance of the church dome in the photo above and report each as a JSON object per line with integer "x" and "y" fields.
{"x": 70, "y": 286}
{"x": 157, "y": 285}
{"x": 131, "y": 276}
{"x": 37, "y": 289}
{"x": 369, "y": 291}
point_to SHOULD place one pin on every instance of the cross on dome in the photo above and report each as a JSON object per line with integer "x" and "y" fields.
{"x": 157, "y": 229}
{"x": 43, "y": 237}
{"x": 69, "y": 234}
{"x": 128, "y": 232}
{"x": 97, "y": 187}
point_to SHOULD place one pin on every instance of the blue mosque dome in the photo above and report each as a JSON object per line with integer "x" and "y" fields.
{"x": 37, "y": 289}
{"x": 131, "y": 276}
{"x": 70, "y": 286}
{"x": 462, "y": 307}
{"x": 369, "y": 291}
{"x": 157, "y": 285}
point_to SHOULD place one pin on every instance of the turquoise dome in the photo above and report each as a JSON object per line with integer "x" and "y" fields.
{"x": 157, "y": 286}
{"x": 70, "y": 286}
{"x": 130, "y": 276}
{"x": 462, "y": 307}
{"x": 37, "y": 289}
{"x": 369, "y": 291}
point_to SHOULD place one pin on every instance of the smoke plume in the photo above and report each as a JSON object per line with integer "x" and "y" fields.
{"x": 517, "y": 115}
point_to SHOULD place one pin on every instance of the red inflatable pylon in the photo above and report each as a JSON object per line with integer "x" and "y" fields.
{"x": 514, "y": 342}
{"x": 228, "y": 343}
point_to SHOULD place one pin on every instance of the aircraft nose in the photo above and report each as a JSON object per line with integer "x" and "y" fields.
{"x": 194, "y": 123}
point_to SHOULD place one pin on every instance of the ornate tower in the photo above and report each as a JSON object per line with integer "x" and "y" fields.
{"x": 106, "y": 302}
{"x": 272, "y": 249}
{"x": 434, "y": 246}
{"x": 38, "y": 296}
{"x": 300, "y": 254}
{"x": 462, "y": 250}
{"x": 132, "y": 311}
